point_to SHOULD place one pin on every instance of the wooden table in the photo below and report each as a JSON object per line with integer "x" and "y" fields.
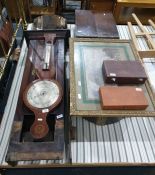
{"x": 144, "y": 9}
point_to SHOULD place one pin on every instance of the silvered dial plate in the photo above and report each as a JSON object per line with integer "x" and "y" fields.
{"x": 43, "y": 94}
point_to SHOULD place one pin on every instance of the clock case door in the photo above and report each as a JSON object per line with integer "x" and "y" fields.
{"x": 22, "y": 146}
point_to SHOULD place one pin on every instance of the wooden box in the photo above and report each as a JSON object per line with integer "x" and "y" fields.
{"x": 124, "y": 97}
{"x": 123, "y": 72}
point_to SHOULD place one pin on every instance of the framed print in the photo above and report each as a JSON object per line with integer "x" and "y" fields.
{"x": 86, "y": 59}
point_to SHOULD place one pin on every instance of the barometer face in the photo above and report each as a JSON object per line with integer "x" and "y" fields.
{"x": 43, "y": 94}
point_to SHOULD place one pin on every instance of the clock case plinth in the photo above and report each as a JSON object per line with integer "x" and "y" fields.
{"x": 22, "y": 145}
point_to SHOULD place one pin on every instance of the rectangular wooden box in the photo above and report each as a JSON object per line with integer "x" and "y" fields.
{"x": 124, "y": 97}
{"x": 123, "y": 72}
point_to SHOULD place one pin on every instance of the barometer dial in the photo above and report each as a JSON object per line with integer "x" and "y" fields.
{"x": 41, "y": 96}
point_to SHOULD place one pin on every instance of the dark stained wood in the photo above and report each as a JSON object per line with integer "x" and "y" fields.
{"x": 123, "y": 72}
{"x": 38, "y": 48}
{"x": 95, "y": 24}
{"x": 22, "y": 145}
{"x": 36, "y": 150}
{"x": 14, "y": 9}
{"x": 39, "y": 35}
{"x": 98, "y": 5}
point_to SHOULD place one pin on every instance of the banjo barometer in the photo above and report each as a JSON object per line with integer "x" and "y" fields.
{"x": 42, "y": 96}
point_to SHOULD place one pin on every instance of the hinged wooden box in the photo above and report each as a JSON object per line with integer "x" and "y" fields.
{"x": 123, "y": 72}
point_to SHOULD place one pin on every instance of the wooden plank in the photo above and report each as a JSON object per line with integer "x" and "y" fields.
{"x": 147, "y": 54}
{"x": 143, "y": 34}
{"x": 151, "y": 23}
{"x": 132, "y": 33}
{"x": 134, "y": 3}
{"x": 19, "y": 150}
{"x": 149, "y": 38}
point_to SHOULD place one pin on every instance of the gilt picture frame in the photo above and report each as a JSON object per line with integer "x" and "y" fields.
{"x": 86, "y": 58}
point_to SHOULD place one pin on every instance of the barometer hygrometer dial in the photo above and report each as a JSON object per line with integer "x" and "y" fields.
{"x": 41, "y": 96}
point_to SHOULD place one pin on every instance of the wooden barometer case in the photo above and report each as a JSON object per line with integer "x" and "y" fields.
{"x": 38, "y": 127}
{"x": 43, "y": 95}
